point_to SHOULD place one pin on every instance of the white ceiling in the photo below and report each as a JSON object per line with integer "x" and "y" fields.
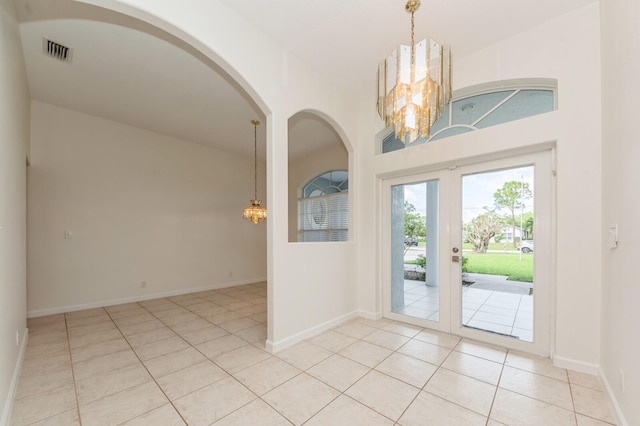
{"x": 127, "y": 71}
{"x": 347, "y": 38}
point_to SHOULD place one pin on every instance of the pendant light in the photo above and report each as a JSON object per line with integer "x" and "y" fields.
{"x": 414, "y": 85}
{"x": 256, "y": 213}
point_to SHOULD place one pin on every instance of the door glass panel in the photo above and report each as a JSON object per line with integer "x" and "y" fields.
{"x": 498, "y": 252}
{"x": 414, "y": 250}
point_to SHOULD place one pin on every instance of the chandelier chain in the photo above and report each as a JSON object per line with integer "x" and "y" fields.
{"x": 413, "y": 48}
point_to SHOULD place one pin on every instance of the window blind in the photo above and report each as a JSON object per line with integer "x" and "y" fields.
{"x": 324, "y": 218}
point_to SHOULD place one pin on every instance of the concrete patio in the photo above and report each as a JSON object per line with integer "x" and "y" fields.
{"x": 491, "y": 303}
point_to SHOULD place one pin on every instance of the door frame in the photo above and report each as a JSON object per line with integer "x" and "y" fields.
{"x": 442, "y": 176}
{"x": 543, "y": 265}
{"x": 449, "y": 209}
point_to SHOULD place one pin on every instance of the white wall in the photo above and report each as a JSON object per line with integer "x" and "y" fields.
{"x": 302, "y": 170}
{"x": 140, "y": 207}
{"x": 621, "y": 202}
{"x": 567, "y": 49}
{"x": 14, "y": 140}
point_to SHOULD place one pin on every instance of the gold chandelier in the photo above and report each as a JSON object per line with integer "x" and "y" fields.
{"x": 414, "y": 85}
{"x": 256, "y": 213}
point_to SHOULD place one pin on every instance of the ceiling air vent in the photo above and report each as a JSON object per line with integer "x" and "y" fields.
{"x": 56, "y": 50}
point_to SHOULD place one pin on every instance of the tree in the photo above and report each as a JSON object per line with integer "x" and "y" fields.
{"x": 526, "y": 221}
{"x": 511, "y": 197}
{"x": 481, "y": 229}
{"x": 414, "y": 223}
{"x": 528, "y": 224}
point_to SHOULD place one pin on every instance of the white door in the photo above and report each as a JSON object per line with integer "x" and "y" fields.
{"x": 484, "y": 232}
{"x": 416, "y": 229}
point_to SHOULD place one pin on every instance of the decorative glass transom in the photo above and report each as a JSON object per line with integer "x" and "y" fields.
{"x": 483, "y": 110}
{"x": 323, "y": 210}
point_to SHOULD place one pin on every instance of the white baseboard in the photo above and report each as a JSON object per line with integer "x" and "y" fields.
{"x": 275, "y": 347}
{"x": 111, "y": 302}
{"x": 575, "y": 365}
{"x": 370, "y": 315}
{"x": 613, "y": 402}
{"x": 13, "y": 387}
{"x": 596, "y": 370}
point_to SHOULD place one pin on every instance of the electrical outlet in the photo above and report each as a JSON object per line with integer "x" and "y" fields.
{"x": 621, "y": 380}
{"x": 143, "y": 284}
{"x": 67, "y": 234}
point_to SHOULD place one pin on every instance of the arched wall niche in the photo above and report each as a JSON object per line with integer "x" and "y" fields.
{"x": 316, "y": 145}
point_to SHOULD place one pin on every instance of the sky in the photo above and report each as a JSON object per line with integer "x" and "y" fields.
{"x": 478, "y": 190}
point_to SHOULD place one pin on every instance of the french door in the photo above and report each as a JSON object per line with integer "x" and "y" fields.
{"x": 468, "y": 251}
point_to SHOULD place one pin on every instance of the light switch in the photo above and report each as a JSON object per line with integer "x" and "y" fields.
{"x": 613, "y": 236}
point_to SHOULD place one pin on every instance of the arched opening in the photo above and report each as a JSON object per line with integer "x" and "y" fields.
{"x": 315, "y": 149}
{"x": 144, "y": 145}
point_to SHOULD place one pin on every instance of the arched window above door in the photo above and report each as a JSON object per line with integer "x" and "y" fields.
{"x": 484, "y": 106}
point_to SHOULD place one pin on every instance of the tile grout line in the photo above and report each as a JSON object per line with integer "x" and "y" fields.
{"x": 73, "y": 373}
{"x": 495, "y": 393}
{"x": 354, "y": 383}
{"x": 513, "y": 325}
{"x": 374, "y": 369}
{"x": 230, "y": 375}
{"x": 190, "y": 345}
{"x": 573, "y": 403}
{"x": 425, "y": 383}
{"x": 441, "y": 366}
{"x": 148, "y": 372}
{"x": 340, "y": 393}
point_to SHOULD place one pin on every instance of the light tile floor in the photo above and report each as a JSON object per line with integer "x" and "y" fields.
{"x": 496, "y": 311}
{"x": 199, "y": 359}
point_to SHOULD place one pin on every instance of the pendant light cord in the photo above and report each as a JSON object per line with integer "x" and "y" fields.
{"x": 255, "y": 160}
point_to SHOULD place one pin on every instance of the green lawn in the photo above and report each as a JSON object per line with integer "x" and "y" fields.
{"x": 492, "y": 246}
{"x": 518, "y": 268}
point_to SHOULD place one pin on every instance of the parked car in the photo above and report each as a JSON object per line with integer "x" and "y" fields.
{"x": 526, "y": 246}
{"x": 410, "y": 242}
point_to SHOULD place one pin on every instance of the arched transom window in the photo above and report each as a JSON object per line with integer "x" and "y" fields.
{"x": 478, "y": 109}
{"x": 323, "y": 209}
